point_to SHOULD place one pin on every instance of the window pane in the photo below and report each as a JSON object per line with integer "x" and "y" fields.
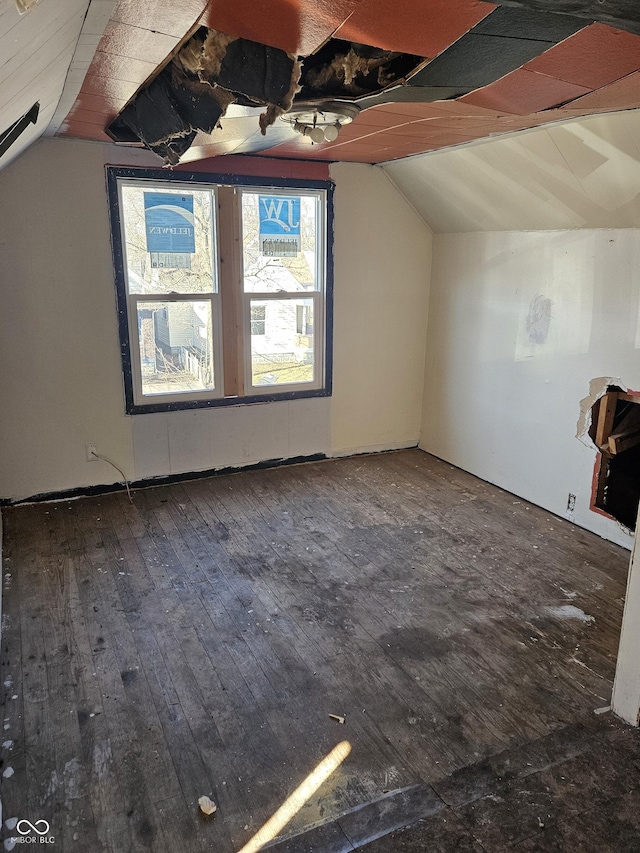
{"x": 279, "y": 235}
{"x": 168, "y": 235}
{"x": 176, "y": 347}
{"x": 258, "y": 318}
{"x": 282, "y": 348}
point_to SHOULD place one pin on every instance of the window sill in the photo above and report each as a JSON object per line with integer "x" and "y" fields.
{"x": 220, "y": 402}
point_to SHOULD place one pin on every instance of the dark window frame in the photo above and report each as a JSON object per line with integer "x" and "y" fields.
{"x": 155, "y": 176}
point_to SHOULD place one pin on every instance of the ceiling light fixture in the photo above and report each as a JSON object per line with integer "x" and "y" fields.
{"x": 320, "y": 122}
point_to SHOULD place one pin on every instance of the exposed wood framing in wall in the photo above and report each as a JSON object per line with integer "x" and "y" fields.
{"x": 230, "y": 273}
{"x": 616, "y": 433}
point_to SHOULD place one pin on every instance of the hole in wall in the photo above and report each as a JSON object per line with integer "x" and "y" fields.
{"x": 615, "y": 431}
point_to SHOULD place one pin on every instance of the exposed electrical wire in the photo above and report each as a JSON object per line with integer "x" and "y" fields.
{"x": 119, "y": 470}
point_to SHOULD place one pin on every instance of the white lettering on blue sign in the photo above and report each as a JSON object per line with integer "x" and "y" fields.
{"x": 279, "y": 225}
{"x": 169, "y": 223}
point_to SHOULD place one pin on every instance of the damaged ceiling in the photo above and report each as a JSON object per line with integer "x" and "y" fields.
{"x": 192, "y": 93}
{"x": 212, "y": 71}
{"x": 199, "y": 80}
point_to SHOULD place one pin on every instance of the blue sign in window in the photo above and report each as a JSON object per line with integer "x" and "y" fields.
{"x": 169, "y": 223}
{"x": 279, "y": 225}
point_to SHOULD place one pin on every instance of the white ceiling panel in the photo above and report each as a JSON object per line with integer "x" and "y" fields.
{"x": 583, "y": 173}
{"x": 36, "y": 50}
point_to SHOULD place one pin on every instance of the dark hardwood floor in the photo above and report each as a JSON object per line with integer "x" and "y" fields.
{"x": 196, "y": 641}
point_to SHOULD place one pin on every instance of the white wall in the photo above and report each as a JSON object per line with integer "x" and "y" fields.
{"x": 383, "y": 260}
{"x": 502, "y": 397}
{"x": 552, "y": 213}
{"x": 61, "y": 383}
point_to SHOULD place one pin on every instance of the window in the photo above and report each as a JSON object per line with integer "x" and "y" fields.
{"x": 223, "y": 286}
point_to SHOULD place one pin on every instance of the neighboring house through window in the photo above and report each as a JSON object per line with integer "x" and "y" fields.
{"x": 203, "y": 322}
{"x": 258, "y": 319}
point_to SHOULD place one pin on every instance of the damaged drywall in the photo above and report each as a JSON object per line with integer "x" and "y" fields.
{"x": 597, "y": 388}
{"x": 192, "y": 93}
{"x": 213, "y": 70}
{"x": 609, "y": 422}
{"x": 168, "y": 112}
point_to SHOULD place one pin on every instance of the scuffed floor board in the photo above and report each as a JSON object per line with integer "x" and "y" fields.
{"x": 208, "y": 638}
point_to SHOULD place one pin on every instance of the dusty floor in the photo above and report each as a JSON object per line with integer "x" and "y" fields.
{"x": 197, "y": 641}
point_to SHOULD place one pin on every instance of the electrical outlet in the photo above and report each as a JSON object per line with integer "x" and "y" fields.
{"x": 92, "y": 449}
{"x": 571, "y": 502}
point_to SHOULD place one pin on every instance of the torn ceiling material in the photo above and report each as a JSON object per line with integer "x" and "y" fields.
{"x": 192, "y": 93}
{"x": 214, "y": 70}
{"x": 346, "y": 70}
{"x": 501, "y": 66}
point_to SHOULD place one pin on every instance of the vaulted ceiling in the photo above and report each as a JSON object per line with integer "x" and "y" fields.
{"x": 574, "y": 175}
{"x": 489, "y": 68}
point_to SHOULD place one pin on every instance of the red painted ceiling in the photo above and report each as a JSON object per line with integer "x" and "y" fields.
{"x": 595, "y": 70}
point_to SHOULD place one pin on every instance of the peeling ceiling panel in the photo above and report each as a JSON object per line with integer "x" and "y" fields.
{"x": 214, "y": 69}
{"x": 295, "y": 26}
{"x": 516, "y": 64}
{"x": 523, "y": 92}
{"x": 593, "y": 57}
{"x": 314, "y": 95}
{"x": 155, "y": 17}
{"x": 415, "y": 26}
{"x": 128, "y": 54}
{"x": 477, "y": 60}
{"x": 192, "y": 93}
{"x": 624, "y": 94}
{"x": 238, "y": 135}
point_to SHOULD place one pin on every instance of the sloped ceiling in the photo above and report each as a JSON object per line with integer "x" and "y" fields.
{"x": 579, "y": 174}
{"x": 46, "y": 54}
{"x": 40, "y": 52}
{"x": 520, "y": 64}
